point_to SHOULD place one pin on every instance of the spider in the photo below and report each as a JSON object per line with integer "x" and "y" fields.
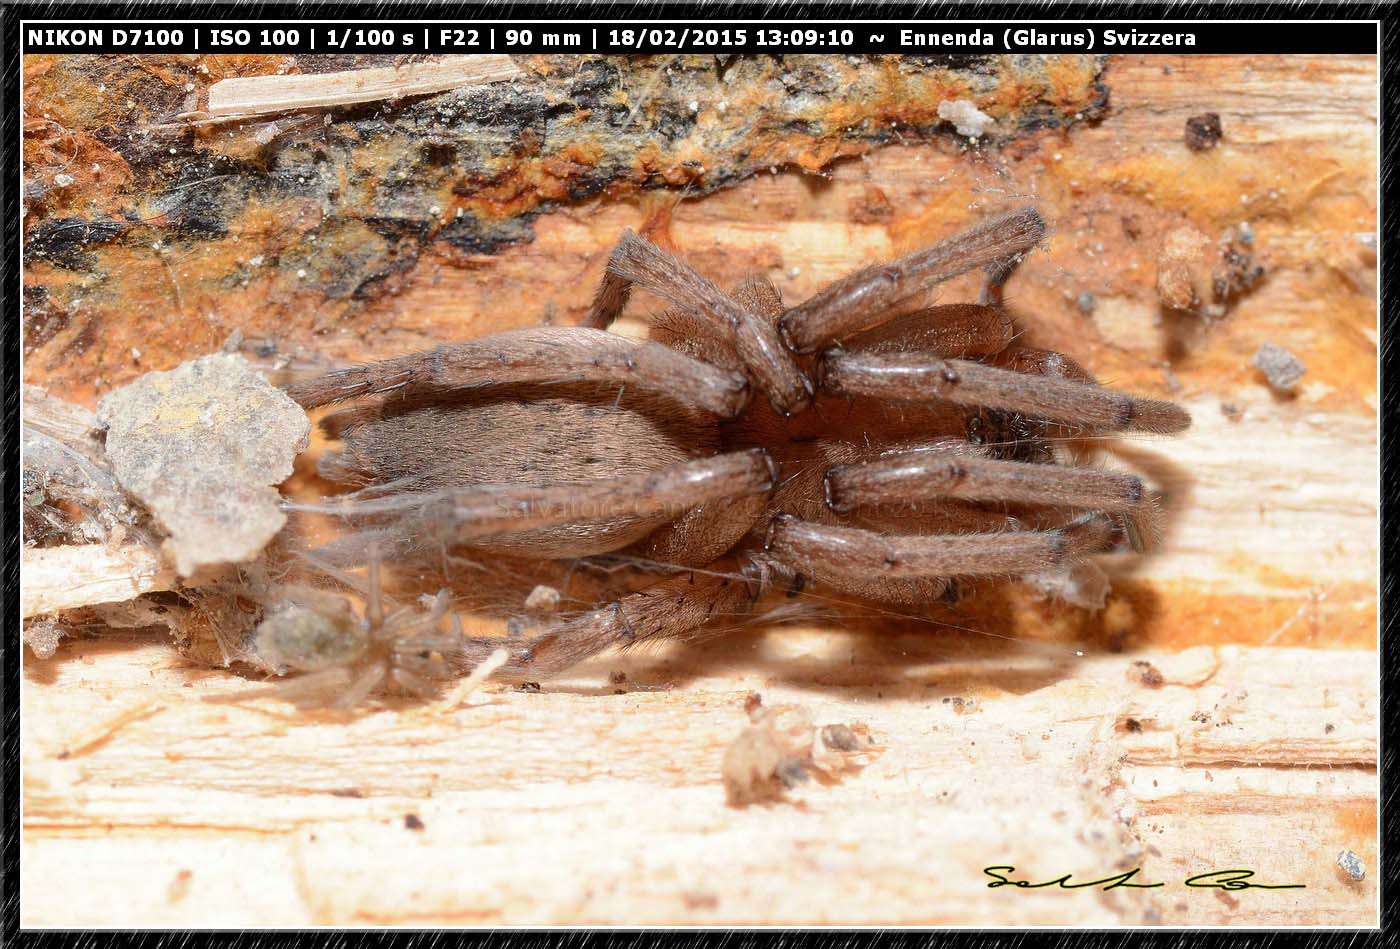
{"x": 340, "y": 655}
{"x": 866, "y": 440}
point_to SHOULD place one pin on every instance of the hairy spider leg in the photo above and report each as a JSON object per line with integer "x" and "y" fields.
{"x": 830, "y": 553}
{"x": 915, "y": 377}
{"x": 671, "y": 607}
{"x": 637, "y": 260}
{"x": 917, "y": 475}
{"x": 875, "y": 294}
{"x": 951, "y": 329}
{"x": 545, "y": 354}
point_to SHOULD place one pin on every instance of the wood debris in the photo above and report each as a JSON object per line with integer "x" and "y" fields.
{"x": 781, "y": 748}
{"x": 64, "y": 578}
{"x": 246, "y": 97}
{"x": 1203, "y": 132}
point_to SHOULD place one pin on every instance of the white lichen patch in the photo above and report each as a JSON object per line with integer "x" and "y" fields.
{"x": 203, "y": 446}
{"x": 965, "y": 116}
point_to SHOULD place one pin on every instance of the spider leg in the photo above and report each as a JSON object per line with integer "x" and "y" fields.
{"x": 829, "y": 553}
{"x": 705, "y": 532}
{"x": 756, "y": 339}
{"x": 914, "y": 377}
{"x": 997, "y": 273}
{"x": 672, "y": 607}
{"x": 548, "y": 354}
{"x": 610, "y": 300}
{"x": 875, "y": 294}
{"x": 413, "y": 683}
{"x": 471, "y": 513}
{"x": 917, "y": 475}
{"x": 302, "y": 689}
{"x": 360, "y": 687}
{"x": 954, "y": 329}
{"x": 1044, "y": 362}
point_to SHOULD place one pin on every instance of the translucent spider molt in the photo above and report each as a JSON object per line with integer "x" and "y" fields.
{"x": 863, "y": 441}
{"x": 338, "y": 657}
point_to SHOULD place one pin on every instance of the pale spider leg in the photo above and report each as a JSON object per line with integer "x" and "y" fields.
{"x": 296, "y": 689}
{"x": 538, "y": 355}
{"x": 874, "y": 294}
{"x": 917, "y": 475}
{"x": 413, "y": 683}
{"x": 442, "y": 602}
{"x": 756, "y": 339}
{"x": 374, "y": 595}
{"x": 475, "y": 512}
{"x": 350, "y": 551}
{"x": 705, "y": 532}
{"x": 820, "y": 550}
{"x": 362, "y": 685}
{"x": 1043, "y": 362}
{"x": 916, "y": 377}
{"x": 673, "y": 607}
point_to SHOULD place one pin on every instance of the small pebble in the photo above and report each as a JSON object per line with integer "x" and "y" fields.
{"x": 1281, "y": 368}
{"x": 1351, "y": 865}
{"x": 63, "y": 181}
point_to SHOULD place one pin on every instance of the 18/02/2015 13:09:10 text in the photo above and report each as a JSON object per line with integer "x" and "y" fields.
{"x": 684, "y": 38}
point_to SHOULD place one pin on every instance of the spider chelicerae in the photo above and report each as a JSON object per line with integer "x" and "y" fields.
{"x": 865, "y": 440}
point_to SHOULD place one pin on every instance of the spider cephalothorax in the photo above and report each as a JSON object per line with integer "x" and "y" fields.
{"x": 863, "y": 440}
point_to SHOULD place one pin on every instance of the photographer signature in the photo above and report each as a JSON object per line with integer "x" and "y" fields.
{"x": 1213, "y": 880}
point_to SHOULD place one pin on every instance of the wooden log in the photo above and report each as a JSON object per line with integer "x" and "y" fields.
{"x": 1257, "y": 749}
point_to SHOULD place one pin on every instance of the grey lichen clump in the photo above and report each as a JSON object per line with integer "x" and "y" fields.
{"x": 1352, "y": 866}
{"x": 69, "y": 494}
{"x": 203, "y": 447}
{"x": 1281, "y": 369}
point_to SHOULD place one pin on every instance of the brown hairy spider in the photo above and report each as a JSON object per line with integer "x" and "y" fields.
{"x": 897, "y": 444}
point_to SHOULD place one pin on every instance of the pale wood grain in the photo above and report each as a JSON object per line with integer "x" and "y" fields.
{"x": 64, "y": 578}
{"x": 247, "y": 96}
{"x": 579, "y": 806}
